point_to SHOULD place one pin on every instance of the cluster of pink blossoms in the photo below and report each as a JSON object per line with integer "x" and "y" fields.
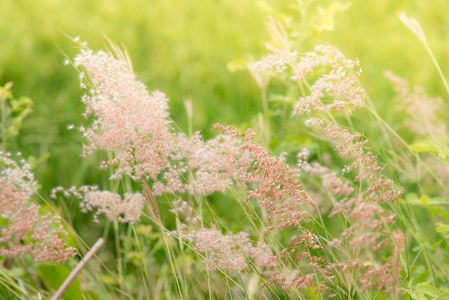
{"x": 135, "y": 126}
{"x": 424, "y": 112}
{"x": 367, "y": 221}
{"x": 111, "y": 204}
{"x": 380, "y": 189}
{"x": 222, "y": 251}
{"x": 26, "y": 231}
{"x": 127, "y": 120}
{"x": 336, "y": 90}
{"x": 277, "y": 189}
{"x": 230, "y": 252}
{"x": 277, "y": 61}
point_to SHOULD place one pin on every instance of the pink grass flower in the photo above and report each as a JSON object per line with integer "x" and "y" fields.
{"x": 110, "y": 204}
{"x": 277, "y": 61}
{"x": 26, "y": 231}
{"x": 335, "y": 90}
{"x": 425, "y": 113}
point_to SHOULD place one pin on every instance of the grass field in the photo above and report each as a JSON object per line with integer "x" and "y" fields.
{"x": 205, "y": 53}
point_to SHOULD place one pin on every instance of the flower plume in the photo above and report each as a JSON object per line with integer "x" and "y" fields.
{"x": 26, "y": 230}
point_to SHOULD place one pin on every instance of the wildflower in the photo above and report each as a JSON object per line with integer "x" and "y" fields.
{"x": 230, "y": 252}
{"x": 41, "y": 236}
{"x": 338, "y": 84}
{"x": 381, "y": 188}
{"x": 276, "y": 61}
{"x": 423, "y": 110}
{"x": 135, "y": 125}
{"x": 288, "y": 205}
{"x": 330, "y": 180}
{"x": 365, "y": 217}
{"x": 127, "y": 120}
{"x": 111, "y": 204}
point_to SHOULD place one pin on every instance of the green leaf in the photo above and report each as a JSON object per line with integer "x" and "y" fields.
{"x": 424, "y": 199}
{"x": 54, "y": 276}
{"x": 421, "y": 296}
{"x": 424, "y": 146}
{"x": 443, "y": 296}
{"x": 410, "y": 282}
{"x": 442, "y": 228}
{"x": 326, "y": 16}
{"x": 427, "y": 289}
{"x": 5, "y": 91}
{"x": 412, "y": 294}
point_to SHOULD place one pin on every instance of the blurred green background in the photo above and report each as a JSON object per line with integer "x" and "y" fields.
{"x": 182, "y": 48}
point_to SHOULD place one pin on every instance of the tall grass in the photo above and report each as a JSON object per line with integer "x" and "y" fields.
{"x": 322, "y": 198}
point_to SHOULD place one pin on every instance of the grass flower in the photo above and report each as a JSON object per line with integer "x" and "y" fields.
{"x": 424, "y": 112}
{"x": 110, "y": 204}
{"x": 135, "y": 126}
{"x": 25, "y": 230}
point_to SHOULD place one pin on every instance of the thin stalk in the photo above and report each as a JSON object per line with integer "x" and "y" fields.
{"x": 145, "y": 280}
{"x": 266, "y": 113}
{"x": 172, "y": 266}
{"x": 437, "y": 66}
{"x": 3, "y": 100}
{"x": 117, "y": 248}
{"x": 263, "y": 95}
{"x": 78, "y": 269}
{"x": 127, "y": 247}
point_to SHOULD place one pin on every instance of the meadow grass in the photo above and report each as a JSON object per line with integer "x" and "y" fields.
{"x": 236, "y": 216}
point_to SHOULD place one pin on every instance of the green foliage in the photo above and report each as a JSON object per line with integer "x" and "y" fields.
{"x": 421, "y": 290}
{"x": 443, "y": 228}
{"x": 13, "y": 113}
{"x": 54, "y": 276}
